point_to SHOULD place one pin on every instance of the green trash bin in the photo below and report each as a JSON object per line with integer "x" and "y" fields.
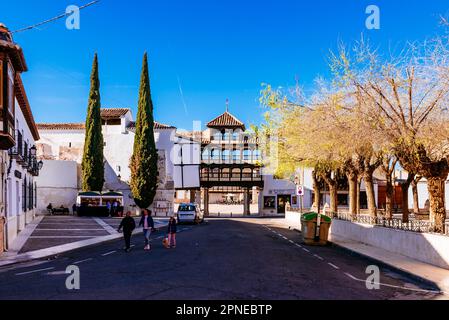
{"x": 309, "y": 229}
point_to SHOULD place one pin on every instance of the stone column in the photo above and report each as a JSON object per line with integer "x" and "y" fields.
{"x": 206, "y": 202}
{"x": 246, "y": 202}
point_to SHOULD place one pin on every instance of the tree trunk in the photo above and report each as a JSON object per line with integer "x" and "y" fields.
{"x": 352, "y": 181}
{"x": 334, "y": 199}
{"x": 404, "y": 188}
{"x": 370, "y": 195}
{"x": 357, "y": 202}
{"x": 389, "y": 198}
{"x": 317, "y": 193}
{"x": 415, "y": 196}
{"x": 436, "y": 187}
{"x": 405, "y": 210}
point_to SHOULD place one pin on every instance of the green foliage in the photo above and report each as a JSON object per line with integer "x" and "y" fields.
{"x": 92, "y": 165}
{"x": 143, "y": 164}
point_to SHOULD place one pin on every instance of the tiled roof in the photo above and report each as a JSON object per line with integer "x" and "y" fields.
{"x": 113, "y": 113}
{"x": 25, "y": 106}
{"x": 157, "y": 126}
{"x": 226, "y": 120}
{"x": 81, "y": 126}
{"x": 61, "y": 126}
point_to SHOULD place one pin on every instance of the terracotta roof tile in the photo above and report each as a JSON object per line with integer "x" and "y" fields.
{"x": 61, "y": 126}
{"x": 113, "y": 113}
{"x": 226, "y": 120}
{"x": 157, "y": 126}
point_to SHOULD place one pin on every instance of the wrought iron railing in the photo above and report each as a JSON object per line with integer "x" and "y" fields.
{"x": 414, "y": 225}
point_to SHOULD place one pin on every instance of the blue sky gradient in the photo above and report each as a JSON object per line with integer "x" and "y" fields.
{"x": 208, "y": 50}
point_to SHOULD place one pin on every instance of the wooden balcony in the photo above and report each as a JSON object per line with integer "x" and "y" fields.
{"x": 231, "y": 175}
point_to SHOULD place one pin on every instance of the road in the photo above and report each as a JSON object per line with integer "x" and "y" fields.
{"x": 221, "y": 259}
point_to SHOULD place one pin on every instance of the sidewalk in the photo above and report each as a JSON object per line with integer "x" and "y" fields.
{"x": 49, "y": 236}
{"x": 413, "y": 268}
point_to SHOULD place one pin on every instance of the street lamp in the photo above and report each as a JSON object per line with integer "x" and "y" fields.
{"x": 33, "y": 151}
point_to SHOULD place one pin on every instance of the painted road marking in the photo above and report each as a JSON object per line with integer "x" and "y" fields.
{"x": 38, "y": 229}
{"x": 306, "y": 250}
{"x": 333, "y": 266}
{"x": 298, "y": 245}
{"x": 317, "y": 256}
{"x": 108, "y": 253}
{"x": 34, "y": 271}
{"x": 351, "y": 276}
{"x": 61, "y": 237}
{"x": 85, "y": 260}
{"x": 397, "y": 287}
{"x": 56, "y": 273}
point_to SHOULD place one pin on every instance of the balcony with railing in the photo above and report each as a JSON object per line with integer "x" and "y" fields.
{"x": 16, "y": 152}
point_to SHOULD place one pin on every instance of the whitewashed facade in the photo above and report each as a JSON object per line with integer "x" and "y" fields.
{"x": 18, "y": 133}
{"x": 64, "y": 142}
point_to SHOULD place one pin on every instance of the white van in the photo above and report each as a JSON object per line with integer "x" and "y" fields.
{"x": 190, "y": 213}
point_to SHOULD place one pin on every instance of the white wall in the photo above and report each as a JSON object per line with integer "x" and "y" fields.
{"x": 57, "y": 184}
{"x": 68, "y": 145}
{"x": 425, "y": 247}
{"x": 273, "y": 188}
{"x": 16, "y": 217}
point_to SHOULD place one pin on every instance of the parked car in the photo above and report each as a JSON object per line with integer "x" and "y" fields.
{"x": 190, "y": 213}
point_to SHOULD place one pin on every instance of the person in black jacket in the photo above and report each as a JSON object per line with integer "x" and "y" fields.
{"x": 128, "y": 224}
{"x": 148, "y": 225}
{"x": 171, "y": 231}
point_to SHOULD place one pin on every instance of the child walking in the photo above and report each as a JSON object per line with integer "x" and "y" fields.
{"x": 171, "y": 231}
{"x": 148, "y": 225}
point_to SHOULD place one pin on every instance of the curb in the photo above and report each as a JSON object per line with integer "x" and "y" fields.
{"x": 435, "y": 286}
{"x": 65, "y": 248}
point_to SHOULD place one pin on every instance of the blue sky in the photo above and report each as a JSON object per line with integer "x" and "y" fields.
{"x": 211, "y": 50}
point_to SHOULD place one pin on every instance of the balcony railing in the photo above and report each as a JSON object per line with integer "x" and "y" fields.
{"x": 414, "y": 225}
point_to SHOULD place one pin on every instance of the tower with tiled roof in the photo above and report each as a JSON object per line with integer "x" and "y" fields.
{"x": 230, "y": 162}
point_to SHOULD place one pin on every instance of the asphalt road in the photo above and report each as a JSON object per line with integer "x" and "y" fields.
{"x": 221, "y": 259}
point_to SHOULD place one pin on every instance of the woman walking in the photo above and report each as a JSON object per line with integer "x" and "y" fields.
{"x": 148, "y": 225}
{"x": 128, "y": 224}
{"x": 171, "y": 231}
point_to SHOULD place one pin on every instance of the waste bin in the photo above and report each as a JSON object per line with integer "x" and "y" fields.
{"x": 2, "y": 234}
{"x": 309, "y": 229}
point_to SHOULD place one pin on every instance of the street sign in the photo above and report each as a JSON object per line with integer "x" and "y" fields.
{"x": 300, "y": 190}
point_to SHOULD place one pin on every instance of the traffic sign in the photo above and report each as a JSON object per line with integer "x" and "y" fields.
{"x": 300, "y": 190}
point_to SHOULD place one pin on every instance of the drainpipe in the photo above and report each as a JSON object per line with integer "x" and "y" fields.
{"x": 6, "y": 244}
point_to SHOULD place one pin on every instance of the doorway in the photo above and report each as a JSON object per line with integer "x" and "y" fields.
{"x": 282, "y": 203}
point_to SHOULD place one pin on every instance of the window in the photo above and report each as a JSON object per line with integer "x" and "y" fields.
{"x": 269, "y": 202}
{"x": 11, "y": 95}
{"x": 226, "y": 136}
{"x": 236, "y": 155}
{"x": 235, "y": 136}
{"x": 104, "y": 144}
{"x": 70, "y": 144}
{"x": 256, "y": 155}
{"x": 217, "y": 136}
{"x": 226, "y": 155}
{"x": 205, "y": 154}
{"x": 119, "y": 169}
{"x": 1, "y": 87}
{"x": 246, "y": 154}
{"x": 215, "y": 154}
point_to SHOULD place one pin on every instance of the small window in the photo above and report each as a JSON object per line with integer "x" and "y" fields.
{"x": 104, "y": 144}
{"x": 119, "y": 169}
{"x": 70, "y": 144}
{"x": 269, "y": 202}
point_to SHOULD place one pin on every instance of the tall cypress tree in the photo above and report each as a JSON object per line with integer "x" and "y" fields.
{"x": 92, "y": 165}
{"x": 143, "y": 164}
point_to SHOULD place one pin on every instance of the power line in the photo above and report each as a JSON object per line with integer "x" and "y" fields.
{"x": 55, "y": 18}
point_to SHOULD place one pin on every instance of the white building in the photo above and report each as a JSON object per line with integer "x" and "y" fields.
{"x": 61, "y": 147}
{"x": 18, "y": 133}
